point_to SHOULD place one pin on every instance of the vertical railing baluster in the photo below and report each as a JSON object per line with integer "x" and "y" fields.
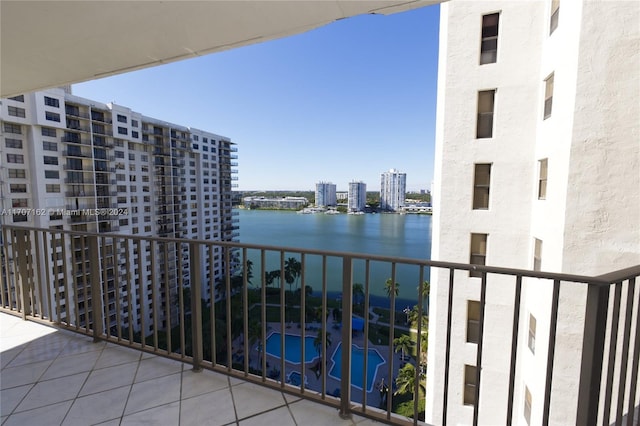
{"x": 323, "y": 326}
{"x": 4, "y": 278}
{"x": 365, "y": 315}
{"x": 74, "y": 283}
{"x": 227, "y": 275}
{"x": 212, "y": 312}
{"x": 263, "y": 315}
{"x": 130, "y": 288}
{"x": 167, "y": 295}
{"x": 347, "y": 306}
{"x": 483, "y": 302}
{"x": 66, "y": 285}
{"x": 421, "y": 297}
{"x": 96, "y": 297}
{"x": 245, "y": 312}
{"x": 195, "y": 279}
{"x": 595, "y": 326}
{"x": 116, "y": 286}
{"x": 302, "y": 323}
{"x": 48, "y": 289}
{"x": 154, "y": 293}
{"x": 553, "y": 322}
{"x": 283, "y": 311}
{"x": 514, "y": 347}
{"x": 633, "y": 383}
{"x": 105, "y": 286}
{"x": 181, "y": 302}
{"x": 447, "y": 355}
{"x": 613, "y": 342}
{"x": 392, "y": 325}
{"x": 22, "y": 283}
{"x": 38, "y": 284}
{"x": 141, "y": 274}
{"x": 625, "y": 351}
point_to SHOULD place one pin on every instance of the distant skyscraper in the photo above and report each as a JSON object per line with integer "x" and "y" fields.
{"x": 393, "y": 188}
{"x": 357, "y": 196}
{"x": 325, "y": 194}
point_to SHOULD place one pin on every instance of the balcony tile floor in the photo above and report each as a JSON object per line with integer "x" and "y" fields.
{"x": 57, "y": 377}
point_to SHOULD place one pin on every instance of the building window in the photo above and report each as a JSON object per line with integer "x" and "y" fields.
{"x": 555, "y": 14}
{"x": 134, "y": 134}
{"x": 485, "y": 114}
{"x": 122, "y": 130}
{"x": 478, "y": 252}
{"x": 15, "y": 158}
{"x": 48, "y": 131}
{"x": 51, "y": 174}
{"x": 20, "y": 218}
{"x": 473, "y": 321}
{"x": 49, "y": 146}
{"x": 19, "y": 98}
{"x": 537, "y": 254}
{"x": 469, "y": 385}
{"x": 122, "y": 118}
{"x": 16, "y": 112}
{"x": 13, "y": 143}
{"x": 19, "y": 202}
{"x": 527, "y": 405}
{"x": 542, "y": 179}
{"x": 52, "y": 188}
{"x": 51, "y": 102}
{"x": 548, "y": 96}
{"x": 50, "y": 160}
{"x": 52, "y": 116}
{"x": 134, "y": 123}
{"x": 17, "y": 173}
{"x": 489, "y": 43}
{"x": 17, "y": 188}
{"x": 12, "y": 128}
{"x": 481, "y": 182}
{"x": 531, "y": 341}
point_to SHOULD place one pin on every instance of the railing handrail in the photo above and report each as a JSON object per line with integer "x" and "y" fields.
{"x": 601, "y": 280}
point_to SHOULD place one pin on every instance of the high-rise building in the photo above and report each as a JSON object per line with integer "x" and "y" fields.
{"x": 536, "y": 168}
{"x": 325, "y": 194}
{"x": 74, "y": 164}
{"x": 393, "y": 188}
{"x": 357, "y": 197}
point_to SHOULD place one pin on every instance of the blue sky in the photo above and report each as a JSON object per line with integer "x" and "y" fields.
{"x": 344, "y": 102}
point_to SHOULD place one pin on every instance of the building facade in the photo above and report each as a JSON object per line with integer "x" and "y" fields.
{"x": 537, "y": 157}
{"x": 357, "y": 199}
{"x": 393, "y": 189}
{"x": 70, "y": 163}
{"x": 326, "y": 194}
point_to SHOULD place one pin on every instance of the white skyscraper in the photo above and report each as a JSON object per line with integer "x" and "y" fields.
{"x": 393, "y": 188}
{"x": 357, "y": 197}
{"x": 536, "y": 168}
{"x": 66, "y": 157}
{"x": 325, "y": 194}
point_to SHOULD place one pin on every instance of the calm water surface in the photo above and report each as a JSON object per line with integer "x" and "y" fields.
{"x": 381, "y": 234}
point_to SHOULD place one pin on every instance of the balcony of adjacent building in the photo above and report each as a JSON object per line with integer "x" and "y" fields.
{"x": 99, "y": 367}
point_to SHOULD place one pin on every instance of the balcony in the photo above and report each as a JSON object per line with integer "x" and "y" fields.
{"x": 254, "y": 304}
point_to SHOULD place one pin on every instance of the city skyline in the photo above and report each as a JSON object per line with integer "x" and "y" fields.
{"x": 362, "y": 90}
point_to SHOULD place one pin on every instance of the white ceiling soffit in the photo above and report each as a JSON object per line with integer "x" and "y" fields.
{"x": 51, "y": 43}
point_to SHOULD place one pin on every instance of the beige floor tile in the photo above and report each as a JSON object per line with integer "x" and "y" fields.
{"x": 165, "y": 415}
{"x": 116, "y": 355}
{"x": 280, "y": 417}
{"x": 23, "y": 374}
{"x": 202, "y": 382}
{"x": 10, "y": 398}
{"x": 314, "y": 414}
{"x": 251, "y": 399}
{"x": 154, "y": 393}
{"x": 155, "y": 367}
{"x": 109, "y": 378}
{"x": 44, "y": 416}
{"x": 210, "y": 409}
{"x": 6, "y": 356}
{"x": 52, "y": 391}
{"x": 67, "y": 365}
{"x": 96, "y": 408}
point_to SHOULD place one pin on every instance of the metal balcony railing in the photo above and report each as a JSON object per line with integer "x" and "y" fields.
{"x": 245, "y": 330}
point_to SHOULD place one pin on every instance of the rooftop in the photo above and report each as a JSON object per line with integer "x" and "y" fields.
{"x": 58, "y": 377}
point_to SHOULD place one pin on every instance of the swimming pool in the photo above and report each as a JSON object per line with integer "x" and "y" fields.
{"x": 291, "y": 347}
{"x": 374, "y": 361}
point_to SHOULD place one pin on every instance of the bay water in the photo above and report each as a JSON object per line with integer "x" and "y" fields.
{"x": 379, "y": 234}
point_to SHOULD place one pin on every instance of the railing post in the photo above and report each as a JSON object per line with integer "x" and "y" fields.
{"x": 22, "y": 256}
{"x": 347, "y": 306}
{"x": 96, "y": 288}
{"x": 595, "y": 326}
{"x": 195, "y": 281}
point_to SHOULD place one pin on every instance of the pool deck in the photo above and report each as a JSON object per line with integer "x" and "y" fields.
{"x": 373, "y": 398}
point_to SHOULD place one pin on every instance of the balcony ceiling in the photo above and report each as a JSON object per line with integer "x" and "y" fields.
{"x": 52, "y": 43}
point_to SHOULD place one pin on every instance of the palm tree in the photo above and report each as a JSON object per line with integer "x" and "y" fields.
{"x": 358, "y": 293}
{"x": 406, "y": 381}
{"x": 292, "y": 271}
{"x": 391, "y": 287}
{"x": 413, "y": 318}
{"x": 317, "y": 342}
{"x": 403, "y": 343}
{"x": 426, "y": 289}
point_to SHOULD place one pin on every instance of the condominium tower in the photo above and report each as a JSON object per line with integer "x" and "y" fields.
{"x": 537, "y": 160}
{"x": 357, "y": 200}
{"x": 326, "y": 194}
{"x": 63, "y": 156}
{"x": 393, "y": 188}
